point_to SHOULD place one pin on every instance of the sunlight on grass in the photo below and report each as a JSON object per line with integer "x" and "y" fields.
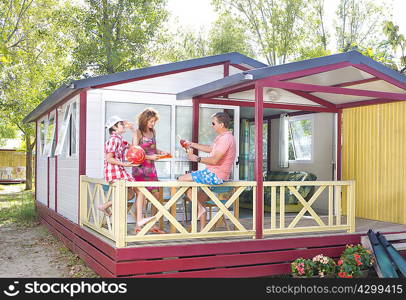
{"x": 18, "y": 208}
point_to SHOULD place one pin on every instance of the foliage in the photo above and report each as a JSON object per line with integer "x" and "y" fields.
{"x": 6, "y": 132}
{"x": 396, "y": 41}
{"x": 324, "y": 265}
{"x": 277, "y": 27}
{"x": 359, "y": 22}
{"x": 229, "y": 35}
{"x": 36, "y": 65}
{"x": 302, "y": 267}
{"x": 114, "y": 36}
{"x": 353, "y": 260}
{"x": 182, "y": 45}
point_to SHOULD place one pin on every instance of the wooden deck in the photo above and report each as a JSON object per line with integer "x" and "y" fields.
{"x": 361, "y": 226}
{"x": 214, "y": 257}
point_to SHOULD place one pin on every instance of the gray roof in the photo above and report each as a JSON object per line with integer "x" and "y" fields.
{"x": 67, "y": 90}
{"x": 352, "y": 56}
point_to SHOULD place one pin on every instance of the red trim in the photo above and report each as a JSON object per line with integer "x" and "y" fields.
{"x": 365, "y": 103}
{"x": 204, "y": 249}
{"x": 138, "y": 91}
{"x": 82, "y": 141}
{"x": 312, "y": 71}
{"x": 259, "y": 115}
{"x": 67, "y": 98}
{"x": 221, "y": 261}
{"x": 242, "y": 68}
{"x": 38, "y": 154}
{"x": 156, "y": 75}
{"x": 356, "y": 82}
{"x": 195, "y": 127}
{"x": 56, "y": 164}
{"x": 339, "y": 152}
{"x": 48, "y": 181}
{"x": 380, "y": 75}
{"x": 330, "y": 89}
{"x": 229, "y": 90}
{"x": 268, "y": 158}
{"x": 226, "y": 69}
{"x": 313, "y": 98}
{"x": 244, "y": 103}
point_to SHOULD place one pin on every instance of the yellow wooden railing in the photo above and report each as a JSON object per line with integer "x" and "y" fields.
{"x": 336, "y": 190}
{"x": 116, "y": 227}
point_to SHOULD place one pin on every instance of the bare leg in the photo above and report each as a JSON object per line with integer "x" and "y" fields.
{"x": 141, "y": 221}
{"x": 201, "y": 197}
{"x": 105, "y": 208}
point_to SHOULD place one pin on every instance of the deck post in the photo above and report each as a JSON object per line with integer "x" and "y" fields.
{"x": 83, "y": 200}
{"x": 120, "y": 214}
{"x": 339, "y": 124}
{"x": 195, "y": 127}
{"x": 259, "y": 115}
{"x": 351, "y": 196}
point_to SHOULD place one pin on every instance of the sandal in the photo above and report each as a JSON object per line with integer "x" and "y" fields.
{"x": 156, "y": 230}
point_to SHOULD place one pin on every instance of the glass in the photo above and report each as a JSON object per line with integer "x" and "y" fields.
{"x": 183, "y": 129}
{"x": 130, "y": 111}
{"x": 300, "y": 139}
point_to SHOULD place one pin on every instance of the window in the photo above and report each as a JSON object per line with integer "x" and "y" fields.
{"x": 129, "y": 111}
{"x": 42, "y": 137}
{"x": 49, "y": 149}
{"x": 72, "y": 130}
{"x": 300, "y": 137}
{"x": 67, "y": 134}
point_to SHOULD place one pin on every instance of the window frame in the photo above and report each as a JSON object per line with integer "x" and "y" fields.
{"x": 64, "y": 145}
{"x": 49, "y": 149}
{"x": 309, "y": 117}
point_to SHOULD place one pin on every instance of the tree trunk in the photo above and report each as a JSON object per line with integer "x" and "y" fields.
{"x": 28, "y": 164}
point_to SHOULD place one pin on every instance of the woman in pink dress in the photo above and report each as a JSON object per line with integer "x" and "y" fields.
{"x": 144, "y": 137}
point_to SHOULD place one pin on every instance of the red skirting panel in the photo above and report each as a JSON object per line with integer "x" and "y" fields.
{"x": 250, "y": 258}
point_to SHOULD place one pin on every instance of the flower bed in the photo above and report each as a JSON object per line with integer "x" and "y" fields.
{"x": 355, "y": 261}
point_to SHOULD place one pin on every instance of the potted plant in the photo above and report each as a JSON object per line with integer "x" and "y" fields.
{"x": 325, "y": 266}
{"x": 302, "y": 267}
{"x": 355, "y": 261}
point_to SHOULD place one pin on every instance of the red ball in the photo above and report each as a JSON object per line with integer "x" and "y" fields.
{"x": 135, "y": 155}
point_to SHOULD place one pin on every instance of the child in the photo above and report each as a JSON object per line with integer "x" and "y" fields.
{"x": 114, "y": 165}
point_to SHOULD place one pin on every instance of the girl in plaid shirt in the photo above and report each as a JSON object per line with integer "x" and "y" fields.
{"x": 114, "y": 166}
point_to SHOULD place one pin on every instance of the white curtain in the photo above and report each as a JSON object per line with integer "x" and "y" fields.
{"x": 283, "y": 141}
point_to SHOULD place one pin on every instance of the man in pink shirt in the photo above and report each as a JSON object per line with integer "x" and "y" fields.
{"x": 219, "y": 163}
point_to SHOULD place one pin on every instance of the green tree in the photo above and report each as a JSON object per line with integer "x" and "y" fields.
{"x": 229, "y": 35}
{"x": 182, "y": 45}
{"x": 36, "y": 68}
{"x": 360, "y": 23}
{"x": 6, "y": 132}
{"x": 277, "y": 26}
{"x": 12, "y": 14}
{"x": 397, "y": 42}
{"x": 114, "y": 36}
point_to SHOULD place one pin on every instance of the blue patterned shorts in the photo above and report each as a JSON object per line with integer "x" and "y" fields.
{"x": 206, "y": 177}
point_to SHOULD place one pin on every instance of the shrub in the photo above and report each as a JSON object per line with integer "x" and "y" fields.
{"x": 302, "y": 267}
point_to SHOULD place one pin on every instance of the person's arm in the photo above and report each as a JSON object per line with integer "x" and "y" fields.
{"x": 111, "y": 160}
{"x": 200, "y": 147}
{"x": 136, "y": 137}
{"x": 211, "y": 160}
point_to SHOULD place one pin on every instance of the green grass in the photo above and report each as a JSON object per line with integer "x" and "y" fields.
{"x": 18, "y": 208}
